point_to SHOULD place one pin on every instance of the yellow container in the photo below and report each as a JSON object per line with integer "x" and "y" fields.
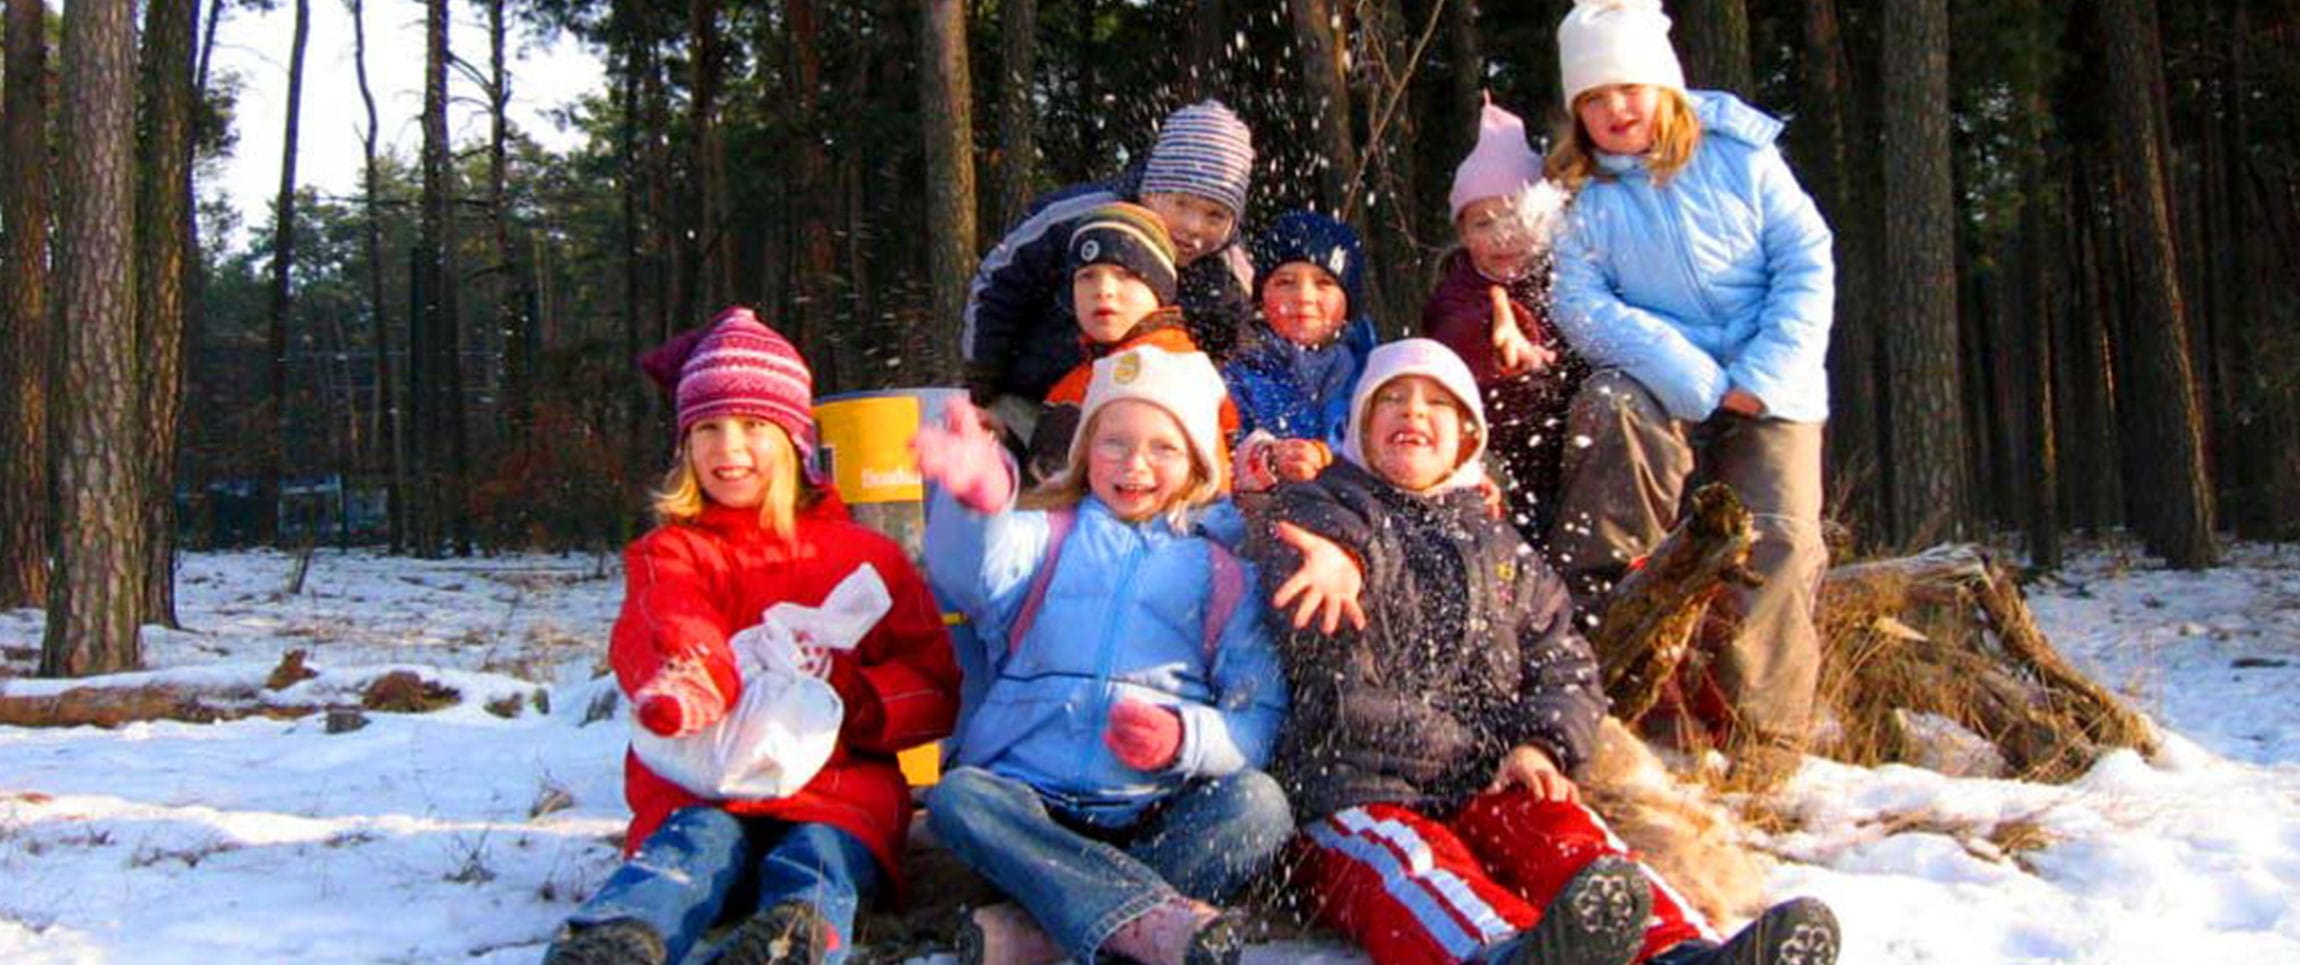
{"x": 866, "y": 445}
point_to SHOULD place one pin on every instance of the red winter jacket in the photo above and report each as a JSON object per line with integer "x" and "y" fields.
{"x": 692, "y": 585}
{"x": 1460, "y": 314}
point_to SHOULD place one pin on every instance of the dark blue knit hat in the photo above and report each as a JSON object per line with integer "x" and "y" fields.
{"x": 1318, "y": 239}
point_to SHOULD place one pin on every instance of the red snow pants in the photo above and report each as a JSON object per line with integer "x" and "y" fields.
{"x": 1412, "y": 890}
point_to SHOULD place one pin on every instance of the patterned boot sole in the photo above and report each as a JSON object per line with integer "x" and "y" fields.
{"x": 1800, "y": 931}
{"x": 1599, "y": 919}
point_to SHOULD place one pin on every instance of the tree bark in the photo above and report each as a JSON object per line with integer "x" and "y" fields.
{"x": 511, "y": 323}
{"x": 1204, "y": 76}
{"x": 714, "y": 266}
{"x": 96, "y": 594}
{"x": 946, "y": 98}
{"x": 450, "y": 521}
{"x": 164, "y": 227}
{"x": 1824, "y": 137}
{"x": 1927, "y": 442}
{"x": 1714, "y": 34}
{"x": 2162, "y": 395}
{"x": 1325, "y": 84}
{"x": 1017, "y": 116}
{"x": 387, "y": 433}
{"x": 27, "y": 362}
{"x": 814, "y": 295}
{"x": 282, "y": 268}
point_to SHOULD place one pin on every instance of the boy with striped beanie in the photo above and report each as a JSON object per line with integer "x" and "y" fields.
{"x": 1017, "y": 336}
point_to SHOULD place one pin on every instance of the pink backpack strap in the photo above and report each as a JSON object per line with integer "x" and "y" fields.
{"x": 1229, "y": 588}
{"x": 1058, "y": 524}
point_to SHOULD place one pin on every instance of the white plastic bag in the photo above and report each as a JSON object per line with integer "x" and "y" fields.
{"x": 774, "y": 740}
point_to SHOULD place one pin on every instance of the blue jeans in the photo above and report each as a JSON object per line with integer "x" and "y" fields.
{"x": 1082, "y": 882}
{"x": 682, "y": 877}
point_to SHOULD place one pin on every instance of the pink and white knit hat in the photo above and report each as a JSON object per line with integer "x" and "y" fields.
{"x": 1501, "y": 165}
{"x": 737, "y": 366}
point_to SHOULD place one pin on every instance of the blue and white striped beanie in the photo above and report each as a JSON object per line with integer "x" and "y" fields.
{"x": 1206, "y": 151}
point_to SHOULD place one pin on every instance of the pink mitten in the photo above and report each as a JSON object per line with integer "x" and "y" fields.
{"x": 1145, "y": 736}
{"x": 963, "y": 457}
{"x": 681, "y": 699}
{"x": 1254, "y": 463}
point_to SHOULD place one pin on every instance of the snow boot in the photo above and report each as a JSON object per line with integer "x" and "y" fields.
{"x": 1800, "y": 931}
{"x": 1598, "y": 919}
{"x": 791, "y": 933}
{"x": 623, "y": 941}
{"x": 1180, "y": 932}
{"x": 1005, "y": 934}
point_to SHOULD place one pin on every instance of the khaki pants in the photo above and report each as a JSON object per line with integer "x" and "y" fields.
{"x": 1628, "y": 465}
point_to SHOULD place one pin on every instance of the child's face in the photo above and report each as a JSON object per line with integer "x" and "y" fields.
{"x": 734, "y": 456}
{"x": 1305, "y": 304}
{"x": 1496, "y": 238}
{"x": 1197, "y": 225}
{"x": 1414, "y": 432}
{"x": 1109, "y": 301}
{"x": 1137, "y": 458}
{"x": 1619, "y": 117}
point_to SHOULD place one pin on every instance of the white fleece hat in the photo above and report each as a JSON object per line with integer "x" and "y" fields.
{"x": 1426, "y": 357}
{"x": 1185, "y": 384}
{"x": 1501, "y": 165}
{"x": 1616, "y": 42}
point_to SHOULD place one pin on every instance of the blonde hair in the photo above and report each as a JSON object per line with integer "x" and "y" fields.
{"x": 1572, "y": 157}
{"x": 680, "y": 499}
{"x": 1066, "y": 489}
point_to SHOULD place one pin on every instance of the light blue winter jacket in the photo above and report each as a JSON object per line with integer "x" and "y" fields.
{"x": 1721, "y": 278}
{"x": 1123, "y": 616}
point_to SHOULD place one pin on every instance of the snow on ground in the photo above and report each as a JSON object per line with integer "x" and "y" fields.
{"x": 460, "y": 835}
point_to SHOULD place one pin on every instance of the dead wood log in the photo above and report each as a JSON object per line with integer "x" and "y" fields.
{"x": 1946, "y": 633}
{"x": 1655, "y": 609}
{"x": 101, "y": 706}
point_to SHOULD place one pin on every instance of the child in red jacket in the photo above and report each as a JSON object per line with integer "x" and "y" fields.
{"x": 746, "y": 523}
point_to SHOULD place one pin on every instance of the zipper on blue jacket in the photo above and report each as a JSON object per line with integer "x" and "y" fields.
{"x": 1108, "y": 654}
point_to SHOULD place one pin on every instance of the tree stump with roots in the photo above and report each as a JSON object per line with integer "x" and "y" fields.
{"x": 1908, "y": 644}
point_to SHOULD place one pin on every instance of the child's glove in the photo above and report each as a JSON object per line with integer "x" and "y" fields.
{"x": 1254, "y": 463}
{"x": 964, "y": 457}
{"x": 1145, "y": 736}
{"x": 681, "y": 700}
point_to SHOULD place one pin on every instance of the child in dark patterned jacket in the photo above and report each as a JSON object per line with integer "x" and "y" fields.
{"x": 1432, "y": 740}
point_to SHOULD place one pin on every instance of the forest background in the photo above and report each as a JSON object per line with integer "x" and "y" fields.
{"x": 2067, "y": 237}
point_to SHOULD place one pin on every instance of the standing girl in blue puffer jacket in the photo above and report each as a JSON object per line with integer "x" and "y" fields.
{"x": 1109, "y": 779}
{"x": 1696, "y": 277}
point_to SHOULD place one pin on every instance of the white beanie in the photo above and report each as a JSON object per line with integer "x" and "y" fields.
{"x": 1425, "y": 357}
{"x": 1616, "y": 42}
{"x": 1501, "y": 165}
{"x": 1185, "y": 384}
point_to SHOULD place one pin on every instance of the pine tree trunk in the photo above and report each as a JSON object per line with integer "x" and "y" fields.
{"x": 817, "y": 275}
{"x": 1017, "y": 116}
{"x": 2163, "y": 394}
{"x": 448, "y": 522}
{"x": 164, "y": 226}
{"x": 282, "y": 268}
{"x": 1325, "y": 87}
{"x": 714, "y": 266}
{"x": 946, "y": 95}
{"x": 1205, "y": 75}
{"x": 386, "y": 432}
{"x": 2094, "y": 481}
{"x": 1926, "y": 396}
{"x": 96, "y": 594}
{"x": 1823, "y": 139}
{"x": 1714, "y": 35}
{"x": 511, "y": 324}
{"x": 27, "y": 349}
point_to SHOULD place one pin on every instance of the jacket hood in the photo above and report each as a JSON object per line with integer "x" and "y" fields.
{"x": 1728, "y": 116}
{"x": 1425, "y": 357}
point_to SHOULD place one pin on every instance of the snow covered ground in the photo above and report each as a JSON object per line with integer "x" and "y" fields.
{"x": 462, "y": 835}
